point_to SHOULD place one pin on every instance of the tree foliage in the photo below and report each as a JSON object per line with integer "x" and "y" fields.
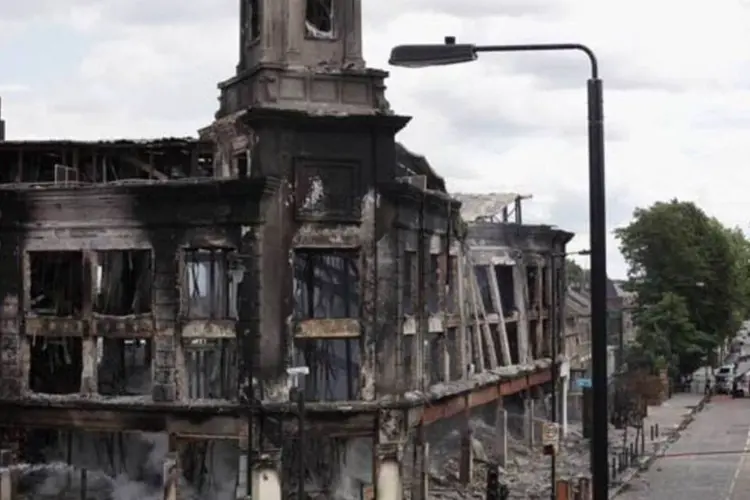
{"x": 576, "y": 275}
{"x": 691, "y": 276}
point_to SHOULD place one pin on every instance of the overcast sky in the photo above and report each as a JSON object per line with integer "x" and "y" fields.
{"x": 676, "y": 75}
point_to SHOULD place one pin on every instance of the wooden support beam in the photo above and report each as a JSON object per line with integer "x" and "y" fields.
{"x": 476, "y": 337}
{"x": 522, "y": 300}
{"x": 485, "y": 327}
{"x": 453, "y": 405}
{"x": 149, "y": 169}
{"x": 502, "y": 329}
{"x": 462, "y": 330}
{"x": 539, "y": 332}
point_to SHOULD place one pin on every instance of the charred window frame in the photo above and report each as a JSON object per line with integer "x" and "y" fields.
{"x": 326, "y": 284}
{"x": 410, "y": 273}
{"x": 320, "y": 19}
{"x": 451, "y": 288}
{"x": 243, "y": 163}
{"x": 210, "y": 286}
{"x": 124, "y": 366}
{"x": 211, "y": 368}
{"x": 253, "y": 21}
{"x": 434, "y": 281}
{"x": 56, "y": 283}
{"x": 506, "y": 283}
{"x": 123, "y": 282}
{"x": 485, "y": 292}
{"x": 531, "y": 276}
{"x": 56, "y": 365}
{"x": 334, "y": 366}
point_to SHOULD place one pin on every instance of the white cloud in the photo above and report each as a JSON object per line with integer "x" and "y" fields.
{"x": 676, "y": 78}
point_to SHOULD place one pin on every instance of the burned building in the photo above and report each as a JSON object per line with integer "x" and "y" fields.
{"x": 285, "y": 303}
{"x": 520, "y": 276}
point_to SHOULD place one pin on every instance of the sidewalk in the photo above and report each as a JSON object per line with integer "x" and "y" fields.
{"x": 670, "y": 418}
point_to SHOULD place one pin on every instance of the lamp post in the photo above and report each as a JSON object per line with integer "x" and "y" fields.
{"x": 450, "y": 52}
{"x": 558, "y": 322}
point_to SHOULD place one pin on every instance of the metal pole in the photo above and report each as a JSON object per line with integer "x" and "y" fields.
{"x": 301, "y": 446}
{"x": 554, "y": 340}
{"x": 598, "y": 235}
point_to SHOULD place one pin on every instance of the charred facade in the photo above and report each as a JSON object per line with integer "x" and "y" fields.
{"x": 291, "y": 298}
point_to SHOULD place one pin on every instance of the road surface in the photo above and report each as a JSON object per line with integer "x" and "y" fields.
{"x": 709, "y": 461}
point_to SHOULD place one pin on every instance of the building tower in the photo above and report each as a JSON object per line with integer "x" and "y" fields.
{"x": 302, "y": 56}
{"x": 305, "y": 111}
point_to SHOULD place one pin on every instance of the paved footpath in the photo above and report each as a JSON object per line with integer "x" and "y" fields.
{"x": 667, "y": 417}
{"x": 706, "y": 462}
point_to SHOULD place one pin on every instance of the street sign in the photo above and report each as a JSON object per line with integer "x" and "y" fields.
{"x": 584, "y": 383}
{"x": 550, "y": 434}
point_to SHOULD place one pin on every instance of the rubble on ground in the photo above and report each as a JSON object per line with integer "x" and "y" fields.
{"x": 527, "y": 472}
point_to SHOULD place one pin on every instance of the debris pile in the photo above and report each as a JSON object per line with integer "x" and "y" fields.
{"x": 527, "y": 472}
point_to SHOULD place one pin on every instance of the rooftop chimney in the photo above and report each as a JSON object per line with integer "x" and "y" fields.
{"x": 2, "y": 122}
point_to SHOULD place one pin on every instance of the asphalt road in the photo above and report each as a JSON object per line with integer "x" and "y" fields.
{"x": 708, "y": 461}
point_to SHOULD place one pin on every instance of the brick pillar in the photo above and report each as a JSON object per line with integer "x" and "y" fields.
{"x": 164, "y": 363}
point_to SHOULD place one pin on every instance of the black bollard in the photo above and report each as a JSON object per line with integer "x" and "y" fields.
{"x": 504, "y": 492}
{"x": 493, "y": 484}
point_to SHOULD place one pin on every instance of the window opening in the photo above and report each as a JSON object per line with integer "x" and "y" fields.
{"x": 253, "y": 20}
{"x": 124, "y": 367}
{"x": 319, "y": 19}
{"x": 326, "y": 284}
{"x": 56, "y": 365}
{"x": 484, "y": 288}
{"x": 434, "y": 280}
{"x": 211, "y": 286}
{"x": 123, "y": 282}
{"x": 334, "y": 369}
{"x": 56, "y": 287}
{"x": 211, "y": 368}
{"x": 410, "y": 271}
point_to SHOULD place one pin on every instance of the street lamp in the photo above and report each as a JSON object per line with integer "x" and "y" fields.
{"x": 450, "y": 52}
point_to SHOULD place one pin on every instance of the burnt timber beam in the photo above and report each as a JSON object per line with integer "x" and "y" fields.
{"x": 458, "y": 403}
{"x": 183, "y": 425}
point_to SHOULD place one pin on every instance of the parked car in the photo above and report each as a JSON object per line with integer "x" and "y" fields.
{"x": 724, "y": 379}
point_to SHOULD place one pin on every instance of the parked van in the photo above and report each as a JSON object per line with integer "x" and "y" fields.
{"x": 724, "y": 378}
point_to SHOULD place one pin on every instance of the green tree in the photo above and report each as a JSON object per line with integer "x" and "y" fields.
{"x": 576, "y": 275}
{"x": 679, "y": 256}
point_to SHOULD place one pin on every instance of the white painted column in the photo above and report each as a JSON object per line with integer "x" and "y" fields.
{"x": 6, "y": 478}
{"x": 388, "y": 483}
{"x": 171, "y": 476}
{"x": 266, "y": 476}
{"x": 563, "y": 399}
